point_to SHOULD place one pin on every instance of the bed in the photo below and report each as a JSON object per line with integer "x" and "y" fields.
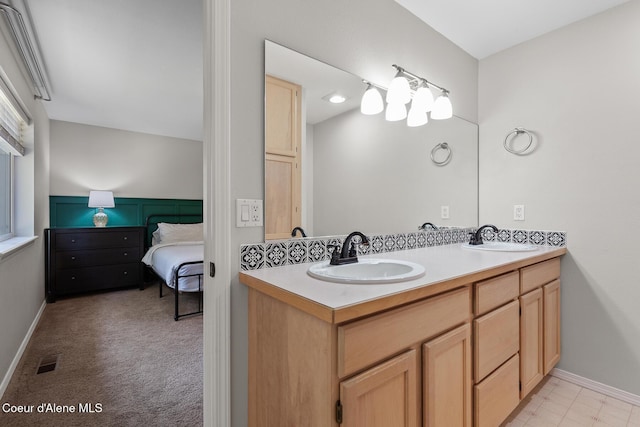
{"x": 175, "y": 253}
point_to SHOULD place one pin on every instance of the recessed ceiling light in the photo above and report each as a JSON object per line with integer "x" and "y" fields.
{"x": 335, "y": 98}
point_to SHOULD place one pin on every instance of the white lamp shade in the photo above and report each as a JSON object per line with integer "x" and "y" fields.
{"x": 399, "y": 90}
{"x": 417, "y": 117}
{"x": 371, "y": 102}
{"x": 101, "y": 199}
{"x": 423, "y": 99}
{"x": 442, "y": 108}
{"x": 395, "y": 112}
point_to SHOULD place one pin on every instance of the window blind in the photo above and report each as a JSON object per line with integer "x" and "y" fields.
{"x": 11, "y": 127}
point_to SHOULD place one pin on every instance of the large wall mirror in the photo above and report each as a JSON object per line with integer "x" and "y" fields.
{"x": 331, "y": 169}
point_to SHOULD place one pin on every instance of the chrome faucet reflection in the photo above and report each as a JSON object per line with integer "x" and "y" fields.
{"x": 348, "y": 254}
{"x": 476, "y": 238}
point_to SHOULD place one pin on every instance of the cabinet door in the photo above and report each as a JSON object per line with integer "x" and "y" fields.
{"x": 551, "y": 300}
{"x": 447, "y": 379}
{"x": 383, "y": 396}
{"x": 282, "y": 196}
{"x": 282, "y": 116}
{"x": 531, "y": 340}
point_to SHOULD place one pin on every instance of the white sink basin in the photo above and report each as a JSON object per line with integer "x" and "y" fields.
{"x": 501, "y": 247}
{"x": 367, "y": 271}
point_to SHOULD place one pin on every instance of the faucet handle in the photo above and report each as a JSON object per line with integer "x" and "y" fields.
{"x": 335, "y": 254}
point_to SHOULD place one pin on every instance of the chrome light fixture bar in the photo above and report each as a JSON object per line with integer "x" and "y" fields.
{"x": 27, "y": 48}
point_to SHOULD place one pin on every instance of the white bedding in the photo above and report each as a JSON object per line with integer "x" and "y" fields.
{"x": 165, "y": 258}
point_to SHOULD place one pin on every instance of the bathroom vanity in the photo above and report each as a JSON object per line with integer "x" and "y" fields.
{"x": 459, "y": 346}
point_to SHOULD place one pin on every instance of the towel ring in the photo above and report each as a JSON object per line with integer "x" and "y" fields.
{"x": 517, "y": 131}
{"x": 441, "y": 146}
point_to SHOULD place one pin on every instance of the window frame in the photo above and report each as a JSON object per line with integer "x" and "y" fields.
{"x": 10, "y": 191}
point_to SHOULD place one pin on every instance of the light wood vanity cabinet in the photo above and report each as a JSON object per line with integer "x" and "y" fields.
{"x": 539, "y": 322}
{"x": 455, "y": 358}
{"x": 406, "y": 367}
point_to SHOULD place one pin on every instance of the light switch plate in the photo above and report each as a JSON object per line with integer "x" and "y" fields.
{"x": 249, "y": 213}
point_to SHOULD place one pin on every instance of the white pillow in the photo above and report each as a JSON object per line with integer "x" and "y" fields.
{"x": 172, "y": 233}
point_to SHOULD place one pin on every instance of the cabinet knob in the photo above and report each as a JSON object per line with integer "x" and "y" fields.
{"x": 73, "y": 240}
{"x": 125, "y": 237}
{"x": 126, "y": 272}
{"x": 73, "y": 277}
{"x": 73, "y": 258}
{"x": 125, "y": 254}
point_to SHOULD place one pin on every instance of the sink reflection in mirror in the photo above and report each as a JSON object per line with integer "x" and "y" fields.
{"x": 359, "y": 171}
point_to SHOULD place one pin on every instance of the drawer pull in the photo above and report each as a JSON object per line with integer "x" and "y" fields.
{"x": 73, "y": 258}
{"x": 73, "y": 277}
{"x": 125, "y": 238}
{"x": 73, "y": 240}
{"x": 126, "y": 272}
{"x": 125, "y": 254}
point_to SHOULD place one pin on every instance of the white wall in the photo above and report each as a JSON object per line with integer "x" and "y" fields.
{"x": 130, "y": 164}
{"x": 354, "y": 36}
{"x": 377, "y": 177}
{"x": 22, "y": 273}
{"x": 577, "y": 89}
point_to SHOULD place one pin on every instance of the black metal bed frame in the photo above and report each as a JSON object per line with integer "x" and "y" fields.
{"x": 177, "y": 276}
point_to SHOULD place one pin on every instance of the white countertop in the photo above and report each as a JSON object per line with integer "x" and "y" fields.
{"x": 442, "y": 263}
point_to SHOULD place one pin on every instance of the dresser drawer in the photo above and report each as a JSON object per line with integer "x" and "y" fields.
{"x": 497, "y": 338}
{"x": 96, "y": 240}
{"x": 96, "y": 278}
{"x": 539, "y": 274}
{"x": 498, "y": 395}
{"x": 368, "y": 341}
{"x": 95, "y": 257}
{"x": 494, "y": 292}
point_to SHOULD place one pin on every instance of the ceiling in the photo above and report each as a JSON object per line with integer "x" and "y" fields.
{"x": 137, "y": 65}
{"x": 482, "y": 28}
{"x": 132, "y": 65}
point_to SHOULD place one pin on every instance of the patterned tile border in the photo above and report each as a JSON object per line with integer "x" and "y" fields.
{"x": 314, "y": 249}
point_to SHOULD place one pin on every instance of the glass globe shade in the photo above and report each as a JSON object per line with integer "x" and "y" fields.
{"x": 395, "y": 112}
{"x": 371, "y": 102}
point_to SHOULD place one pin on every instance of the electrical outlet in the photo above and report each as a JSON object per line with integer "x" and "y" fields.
{"x": 444, "y": 212}
{"x": 248, "y": 213}
{"x": 518, "y": 212}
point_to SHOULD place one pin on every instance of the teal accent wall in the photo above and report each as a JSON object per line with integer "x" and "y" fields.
{"x": 73, "y": 211}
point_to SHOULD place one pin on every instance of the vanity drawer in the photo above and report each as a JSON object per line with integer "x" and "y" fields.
{"x": 539, "y": 274}
{"x": 497, "y": 338}
{"x": 498, "y": 395}
{"x": 368, "y": 341}
{"x": 494, "y": 292}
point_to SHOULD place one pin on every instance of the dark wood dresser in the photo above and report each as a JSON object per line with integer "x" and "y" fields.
{"x": 91, "y": 259}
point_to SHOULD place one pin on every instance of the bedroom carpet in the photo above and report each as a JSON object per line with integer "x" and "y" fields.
{"x": 122, "y": 361}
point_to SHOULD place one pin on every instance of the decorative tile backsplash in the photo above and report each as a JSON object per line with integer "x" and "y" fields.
{"x": 313, "y": 249}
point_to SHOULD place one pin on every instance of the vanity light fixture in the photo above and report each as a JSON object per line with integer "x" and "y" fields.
{"x": 404, "y": 88}
{"x": 101, "y": 200}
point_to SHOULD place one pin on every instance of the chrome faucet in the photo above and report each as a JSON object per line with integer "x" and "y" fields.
{"x": 476, "y": 238}
{"x": 423, "y": 227}
{"x": 302, "y": 233}
{"x": 348, "y": 254}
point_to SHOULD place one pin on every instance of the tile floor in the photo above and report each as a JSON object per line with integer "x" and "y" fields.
{"x": 556, "y": 402}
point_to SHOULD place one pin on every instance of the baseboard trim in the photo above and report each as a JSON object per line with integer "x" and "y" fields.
{"x": 20, "y": 352}
{"x": 596, "y": 386}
